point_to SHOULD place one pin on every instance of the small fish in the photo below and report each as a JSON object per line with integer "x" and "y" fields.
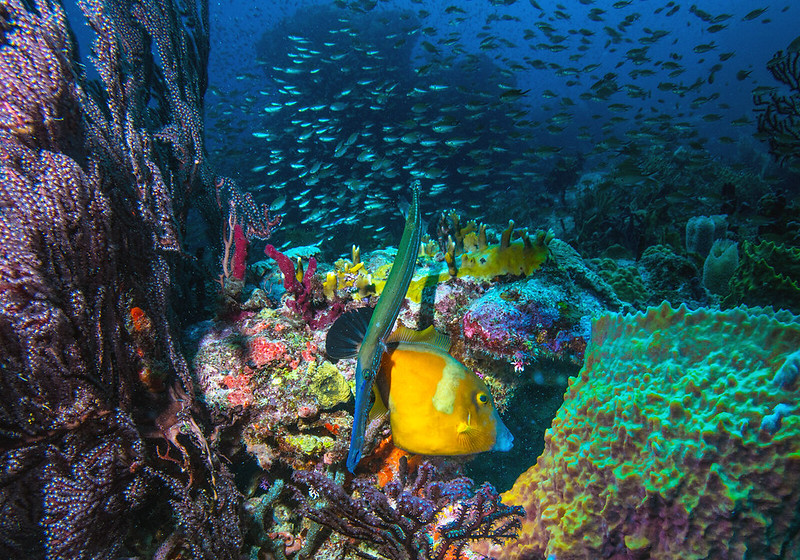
{"x": 754, "y": 14}
{"x": 278, "y": 203}
{"x": 513, "y": 94}
{"x": 700, "y": 49}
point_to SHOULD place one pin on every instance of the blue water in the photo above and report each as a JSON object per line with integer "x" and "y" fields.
{"x": 707, "y": 107}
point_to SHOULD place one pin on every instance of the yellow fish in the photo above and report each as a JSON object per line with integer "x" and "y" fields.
{"x": 436, "y": 405}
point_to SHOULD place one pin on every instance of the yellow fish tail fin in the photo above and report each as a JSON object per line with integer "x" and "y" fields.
{"x": 378, "y": 407}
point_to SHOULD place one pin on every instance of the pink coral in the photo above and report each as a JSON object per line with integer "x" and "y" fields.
{"x": 239, "y": 264}
{"x": 242, "y": 394}
{"x": 264, "y": 351}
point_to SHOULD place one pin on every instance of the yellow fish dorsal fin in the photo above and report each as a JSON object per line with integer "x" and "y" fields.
{"x": 378, "y": 407}
{"x": 428, "y": 336}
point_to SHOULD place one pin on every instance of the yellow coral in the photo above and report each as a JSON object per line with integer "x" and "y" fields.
{"x": 329, "y": 386}
{"x": 309, "y": 444}
{"x": 350, "y": 276}
{"x": 518, "y": 258}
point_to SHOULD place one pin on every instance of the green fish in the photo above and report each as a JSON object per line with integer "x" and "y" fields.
{"x": 348, "y": 329}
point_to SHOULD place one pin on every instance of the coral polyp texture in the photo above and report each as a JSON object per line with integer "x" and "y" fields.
{"x": 529, "y": 319}
{"x": 678, "y": 439}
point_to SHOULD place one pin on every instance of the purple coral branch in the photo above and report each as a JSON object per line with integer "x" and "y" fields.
{"x": 406, "y": 519}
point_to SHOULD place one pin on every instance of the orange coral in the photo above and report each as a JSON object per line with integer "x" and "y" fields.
{"x": 385, "y": 460}
{"x": 139, "y": 320}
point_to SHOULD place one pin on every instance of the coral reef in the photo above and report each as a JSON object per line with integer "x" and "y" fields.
{"x": 625, "y": 279}
{"x": 262, "y": 374}
{"x": 529, "y": 320}
{"x": 97, "y": 178}
{"x": 679, "y": 436}
{"x": 768, "y": 273}
{"x": 307, "y": 294}
{"x": 410, "y": 519}
{"x": 671, "y": 277}
{"x": 265, "y": 370}
{"x": 677, "y": 439}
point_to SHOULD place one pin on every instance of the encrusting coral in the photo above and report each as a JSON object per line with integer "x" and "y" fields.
{"x": 678, "y": 439}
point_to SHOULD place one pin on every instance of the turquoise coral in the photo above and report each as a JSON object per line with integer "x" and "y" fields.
{"x": 676, "y": 440}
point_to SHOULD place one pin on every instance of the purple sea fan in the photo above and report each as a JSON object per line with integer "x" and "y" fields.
{"x": 419, "y": 519}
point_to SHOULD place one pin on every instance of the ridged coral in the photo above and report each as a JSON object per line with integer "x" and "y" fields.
{"x": 768, "y": 272}
{"x": 667, "y": 445}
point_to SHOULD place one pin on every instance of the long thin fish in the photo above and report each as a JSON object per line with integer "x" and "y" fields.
{"x": 383, "y": 318}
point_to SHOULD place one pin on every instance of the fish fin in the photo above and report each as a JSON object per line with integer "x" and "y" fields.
{"x": 428, "y": 336}
{"x": 378, "y": 407}
{"x": 473, "y": 439}
{"x": 347, "y": 332}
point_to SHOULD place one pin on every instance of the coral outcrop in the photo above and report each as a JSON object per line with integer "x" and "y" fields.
{"x": 523, "y": 321}
{"x": 768, "y": 272}
{"x": 678, "y": 439}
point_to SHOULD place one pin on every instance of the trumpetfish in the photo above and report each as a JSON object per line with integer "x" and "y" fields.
{"x": 436, "y": 405}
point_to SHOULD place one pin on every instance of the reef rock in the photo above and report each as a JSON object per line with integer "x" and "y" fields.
{"x": 530, "y": 319}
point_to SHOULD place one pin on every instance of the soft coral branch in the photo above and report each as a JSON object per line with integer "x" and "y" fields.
{"x": 308, "y": 302}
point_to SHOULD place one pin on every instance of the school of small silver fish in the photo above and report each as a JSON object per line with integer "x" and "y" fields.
{"x": 347, "y": 102}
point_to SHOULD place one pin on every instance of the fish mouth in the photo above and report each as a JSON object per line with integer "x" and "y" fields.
{"x": 505, "y": 439}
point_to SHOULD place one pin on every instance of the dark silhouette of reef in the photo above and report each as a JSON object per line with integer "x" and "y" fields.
{"x": 98, "y": 178}
{"x": 779, "y": 111}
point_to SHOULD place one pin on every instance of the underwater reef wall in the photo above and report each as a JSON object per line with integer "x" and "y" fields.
{"x": 97, "y": 177}
{"x": 678, "y": 439}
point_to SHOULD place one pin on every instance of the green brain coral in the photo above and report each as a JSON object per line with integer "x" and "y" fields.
{"x": 329, "y": 387}
{"x": 668, "y": 445}
{"x": 626, "y": 280}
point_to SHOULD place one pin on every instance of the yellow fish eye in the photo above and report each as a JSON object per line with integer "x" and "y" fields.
{"x": 482, "y": 398}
